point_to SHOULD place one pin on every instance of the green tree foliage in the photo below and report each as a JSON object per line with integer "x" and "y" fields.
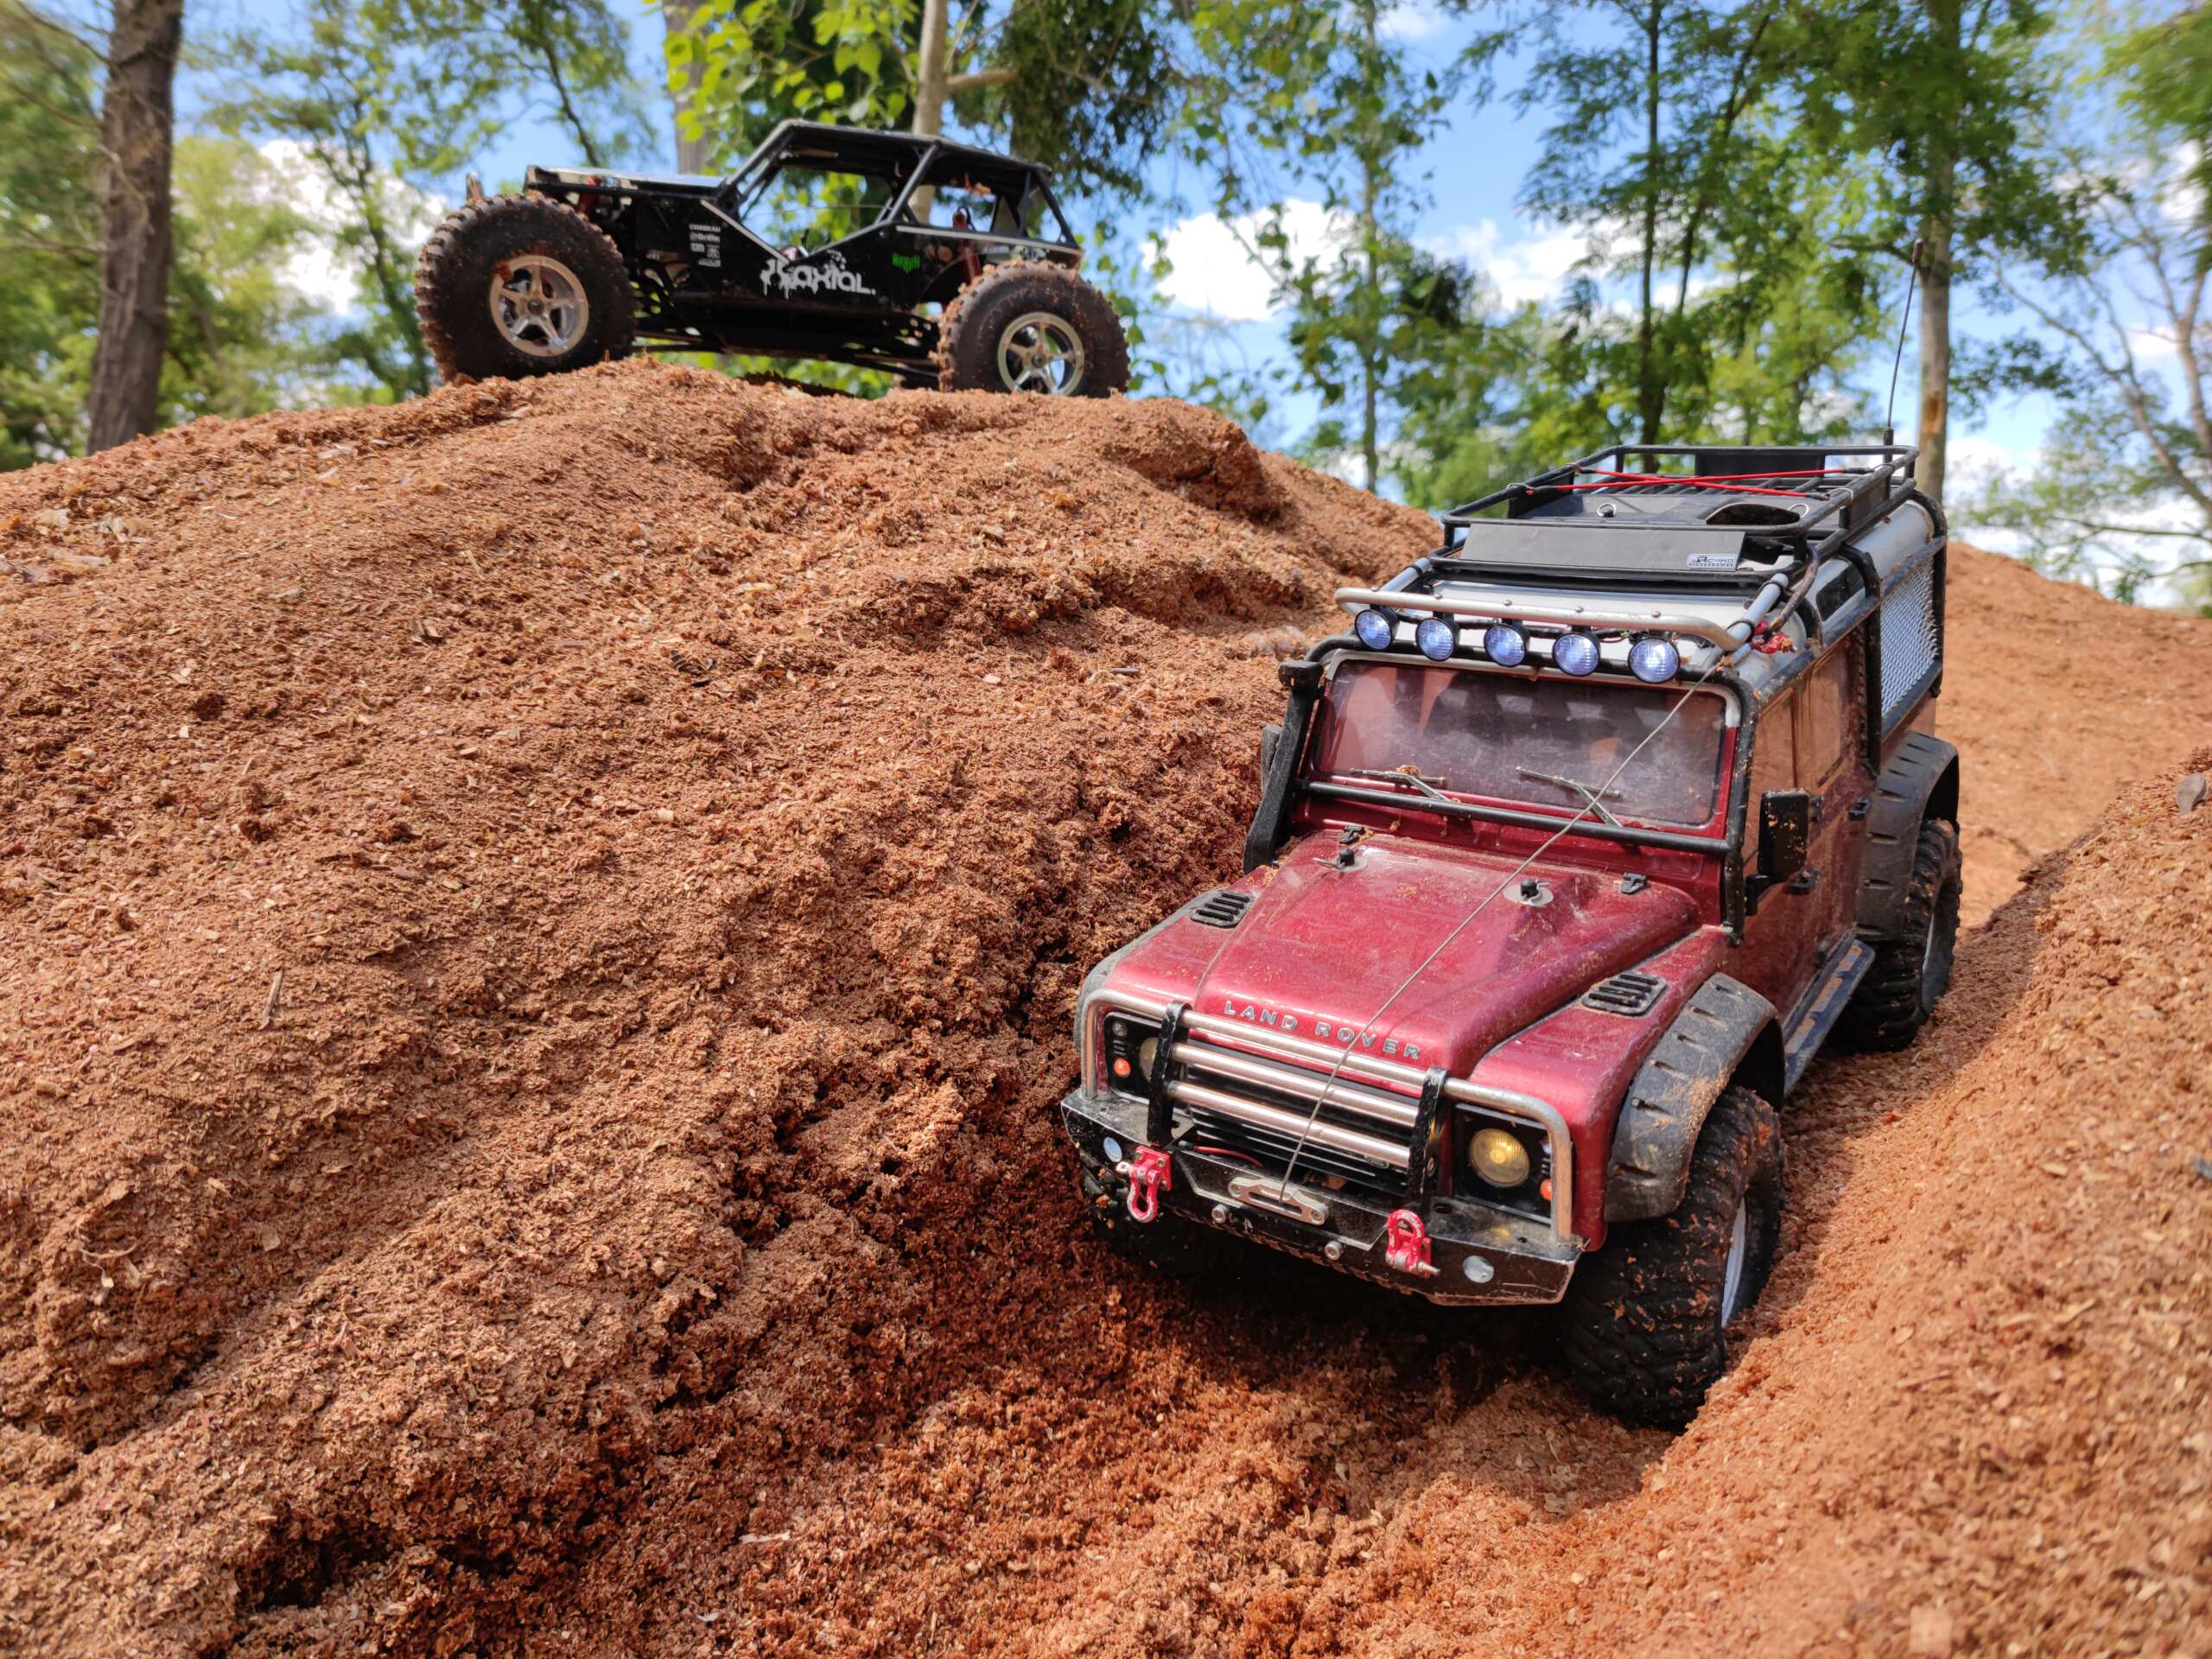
{"x": 1368, "y": 308}
{"x": 1083, "y": 86}
{"x": 49, "y": 234}
{"x": 2121, "y": 494}
{"x": 387, "y": 100}
{"x": 1674, "y": 143}
{"x": 239, "y": 339}
{"x": 1933, "y": 103}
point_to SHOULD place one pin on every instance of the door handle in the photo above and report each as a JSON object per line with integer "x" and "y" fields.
{"x": 1804, "y": 881}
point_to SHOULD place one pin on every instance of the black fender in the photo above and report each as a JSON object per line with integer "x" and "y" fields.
{"x": 1727, "y": 1032}
{"x": 1921, "y": 781}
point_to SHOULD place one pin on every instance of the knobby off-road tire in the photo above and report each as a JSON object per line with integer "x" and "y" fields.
{"x": 1912, "y": 971}
{"x": 1646, "y": 1317}
{"x": 1031, "y": 327}
{"x": 555, "y": 278}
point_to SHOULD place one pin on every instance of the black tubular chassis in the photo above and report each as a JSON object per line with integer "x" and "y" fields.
{"x": 707, "y": 281}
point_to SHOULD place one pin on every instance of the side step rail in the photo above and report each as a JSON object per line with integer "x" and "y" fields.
{"x": 1845, "y": 968}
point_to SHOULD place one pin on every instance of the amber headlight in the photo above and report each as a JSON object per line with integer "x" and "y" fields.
{"x": 1498, "y": 1158}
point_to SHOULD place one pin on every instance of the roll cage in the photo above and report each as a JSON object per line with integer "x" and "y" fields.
{"x": 1020, "y": 190}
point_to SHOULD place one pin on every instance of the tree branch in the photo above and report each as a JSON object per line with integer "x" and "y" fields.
{"x": 976, "y": 79}
{"x": 535, "y": 22}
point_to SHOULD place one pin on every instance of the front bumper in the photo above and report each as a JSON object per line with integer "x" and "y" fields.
{"x": 1481, "y": 1255}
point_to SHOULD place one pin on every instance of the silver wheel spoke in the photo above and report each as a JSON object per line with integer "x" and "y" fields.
{"x": 539, "y": 305}
{"x": 1040, "y": 353}
{"x": 1731, "y": 1277}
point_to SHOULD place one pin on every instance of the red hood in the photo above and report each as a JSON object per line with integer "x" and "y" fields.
{"x": 1326, "y": 947}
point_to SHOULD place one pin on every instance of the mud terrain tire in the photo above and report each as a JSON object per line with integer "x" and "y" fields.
{"x": 982, "y": 340}
{"x": 1912, "y": 971}
{"x": 1644, "y": 1328}
{"x": 459, "y": 289}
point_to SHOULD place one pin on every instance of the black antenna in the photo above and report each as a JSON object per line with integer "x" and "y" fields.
{"x": 1897, "y": 363}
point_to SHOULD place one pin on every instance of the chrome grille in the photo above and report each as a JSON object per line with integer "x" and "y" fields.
{"x": 1370, "y": 1131}
{"x": 1264, "y": 1109}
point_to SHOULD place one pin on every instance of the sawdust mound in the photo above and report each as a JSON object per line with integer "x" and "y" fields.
{"x": 679, "y": 813}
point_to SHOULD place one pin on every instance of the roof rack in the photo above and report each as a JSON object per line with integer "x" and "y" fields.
{"x": 1747, "y": 527}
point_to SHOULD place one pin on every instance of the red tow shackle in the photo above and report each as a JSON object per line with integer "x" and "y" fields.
{"x": 1405, "y": 1243}
{"x": 1150, "y": 1174}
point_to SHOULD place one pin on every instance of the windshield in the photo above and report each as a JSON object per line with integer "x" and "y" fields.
{"x": 1504, "y": 738}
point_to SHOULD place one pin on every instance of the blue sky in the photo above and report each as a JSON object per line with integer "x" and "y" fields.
{"x": 1475, "y": 168}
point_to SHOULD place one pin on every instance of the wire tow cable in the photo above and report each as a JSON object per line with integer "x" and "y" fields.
{"x": 1282, "y": 1183}
{"x": 1150, "y": 1172}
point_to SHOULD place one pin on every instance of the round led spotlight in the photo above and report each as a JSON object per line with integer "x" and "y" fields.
{"x": 1437, "y": 638}
{"x": 1497, "y": 1157}
{"x": 1575, "y": 653}
{"x": 1375, "y": 629}
{"x": 1654, "y": 660}
{"x": 1505, "y": 644}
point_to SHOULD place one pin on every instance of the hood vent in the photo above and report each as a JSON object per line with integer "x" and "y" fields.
{"x": 1221, "y": 909}
{"x": 1631, "y": 993}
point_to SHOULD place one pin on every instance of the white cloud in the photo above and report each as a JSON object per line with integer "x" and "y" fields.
{"x": 1973, "y": 463}
{"x": 1523, "y": 268}
{"x": 1412, "y": 21}
{"x": 321, "y": 269}
{"x": 2153, "y": 346}
{"x": 1215, "y": 273}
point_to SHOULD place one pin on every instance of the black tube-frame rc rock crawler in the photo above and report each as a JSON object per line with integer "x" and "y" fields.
{"x": 949, "y": 266}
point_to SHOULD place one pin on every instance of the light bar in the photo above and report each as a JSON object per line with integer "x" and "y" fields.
{"x": 1376, "y": 629}
{"x": 1575, "y": 653}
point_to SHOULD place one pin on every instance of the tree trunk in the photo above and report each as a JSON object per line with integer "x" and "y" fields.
{"x": 1371, "y": 168}
{"x": 137, "y": 119}
{"x": 1937, "y": 228}
{"x": 1650, "y": 386}
{"x": 1934, "y": 355}
{"x": 692, "y": 155}
{"x": 930, "y": 73}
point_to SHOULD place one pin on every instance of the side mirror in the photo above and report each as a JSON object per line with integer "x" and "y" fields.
{"x": 1270, "y": 741}
{"x": 1785, "y": 832}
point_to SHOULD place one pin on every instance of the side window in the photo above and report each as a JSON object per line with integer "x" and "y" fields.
{"x": 1827, "y": 708}
{"x": 801, "y": 208}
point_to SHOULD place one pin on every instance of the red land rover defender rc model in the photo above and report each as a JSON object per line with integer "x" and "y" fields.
{"x": 1569, "y": 859}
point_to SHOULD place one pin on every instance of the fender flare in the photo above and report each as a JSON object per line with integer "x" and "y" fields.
{"x": 1727, "y": 1032}
{"x": 1922, "y": 780}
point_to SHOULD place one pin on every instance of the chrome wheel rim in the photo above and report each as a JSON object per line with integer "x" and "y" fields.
{"x": 1732, "y": 1278}
{"x": 539, "y": 305}
{"x": 1038, "y": 351}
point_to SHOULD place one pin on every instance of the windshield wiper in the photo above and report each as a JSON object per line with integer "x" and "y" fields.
{"x": 1425, "y": 785}
{"x": 1580, "y": 788}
